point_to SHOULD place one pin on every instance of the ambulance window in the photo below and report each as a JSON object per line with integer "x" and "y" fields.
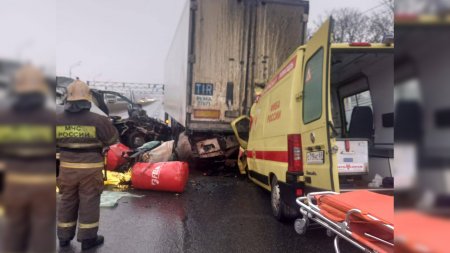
{"x": 359, "y": 99}
{"x": 312, "y": 102}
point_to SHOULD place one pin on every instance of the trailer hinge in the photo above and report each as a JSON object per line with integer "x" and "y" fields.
{"x": 191, "y": 58}
{"x": 189, "y": 109}
{"x": 194, "y": 5}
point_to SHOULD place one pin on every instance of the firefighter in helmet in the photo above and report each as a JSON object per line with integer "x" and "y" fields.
{"x": 81, "y": 136}
{"x": 27, "y": 152}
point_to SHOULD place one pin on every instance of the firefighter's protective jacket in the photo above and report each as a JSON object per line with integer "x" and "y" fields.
{"x": 81, "y": 136}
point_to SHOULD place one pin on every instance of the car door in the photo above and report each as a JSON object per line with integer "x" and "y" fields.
{"x": 241, "y": 129}
{"x": 317, "y": 140}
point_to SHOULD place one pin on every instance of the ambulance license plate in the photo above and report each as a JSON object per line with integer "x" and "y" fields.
{"x": 315, "y": 157}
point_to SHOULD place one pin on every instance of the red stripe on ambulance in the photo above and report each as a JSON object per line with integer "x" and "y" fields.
{"x": 276, "y": 156}
{"x": 289, "y": 67}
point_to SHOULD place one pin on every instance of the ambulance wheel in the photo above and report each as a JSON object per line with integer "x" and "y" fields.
{"x": 279, "y": 208}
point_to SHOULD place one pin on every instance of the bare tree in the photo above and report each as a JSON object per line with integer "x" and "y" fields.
{"x": 381, "y": 22}
{"x": 379, "y": 26}
{"x": 352, "y": 25}
{"x": 349, "y": 24}
{"x": 389, "y": 5}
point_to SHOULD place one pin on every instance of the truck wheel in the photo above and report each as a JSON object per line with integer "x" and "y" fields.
{"x": 276, "y": 201}
{"x": 135, "y": 140}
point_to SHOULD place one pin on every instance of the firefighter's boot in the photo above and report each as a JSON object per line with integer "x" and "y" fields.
{"x": 91, "y": 243}
{"x": 64, "y": 243}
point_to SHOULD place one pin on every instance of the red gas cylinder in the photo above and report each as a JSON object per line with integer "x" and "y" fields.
{"x": 165, "y": 176}
{"x": 115, "y": 156}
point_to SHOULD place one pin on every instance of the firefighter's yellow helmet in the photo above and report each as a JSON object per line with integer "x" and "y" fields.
{"x": 29, "y": 79}
{"x": 78, "y": 90}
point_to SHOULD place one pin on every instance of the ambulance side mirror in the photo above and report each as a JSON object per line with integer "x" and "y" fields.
{"x": 259, "y": 88}
{"x": 260, "y": 85}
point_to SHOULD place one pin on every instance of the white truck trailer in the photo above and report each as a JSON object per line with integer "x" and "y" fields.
{"x": 221, "y": 50}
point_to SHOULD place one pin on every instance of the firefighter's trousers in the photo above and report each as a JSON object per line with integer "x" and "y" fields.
{"x": 30, "y": 210}
{"x": 80, "y": 190}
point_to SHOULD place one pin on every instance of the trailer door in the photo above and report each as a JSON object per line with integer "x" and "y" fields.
{"x": 219, "y": 60}
{"x": 316, "y": 134}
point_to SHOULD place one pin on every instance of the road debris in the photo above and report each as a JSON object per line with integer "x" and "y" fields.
{"x": 162, "y": 153}
{"x": 167, "y": 176}
{"x": 118, "y": 180}
{"x": 116, "y": 156}
{"x": 111, "y": 198}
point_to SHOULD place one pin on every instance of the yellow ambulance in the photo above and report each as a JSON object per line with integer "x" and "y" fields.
{"x": 324, "y": 121}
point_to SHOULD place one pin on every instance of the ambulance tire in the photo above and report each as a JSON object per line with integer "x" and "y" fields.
{"x": 280, "y": 210}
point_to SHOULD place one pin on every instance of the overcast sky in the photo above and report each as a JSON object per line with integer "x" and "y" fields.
{"x": 27, "y": 31}
{"x": 114, "y": 40}
{"x": 118, "y": 40}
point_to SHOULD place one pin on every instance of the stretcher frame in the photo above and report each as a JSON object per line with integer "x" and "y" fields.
{"x": 311, "y": 211}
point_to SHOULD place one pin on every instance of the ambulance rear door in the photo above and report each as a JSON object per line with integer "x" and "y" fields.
{"x": 317, "y": 135}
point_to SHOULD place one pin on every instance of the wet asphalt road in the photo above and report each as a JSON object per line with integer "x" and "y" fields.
{"x": 214, "y": 214}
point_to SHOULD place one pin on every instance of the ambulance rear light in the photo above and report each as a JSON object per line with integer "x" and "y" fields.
{"x": 295, "y": 163}
{"x": 360, "y": 44}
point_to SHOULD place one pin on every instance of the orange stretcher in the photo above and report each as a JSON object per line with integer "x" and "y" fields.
{"x": 363, "y": 218}
{"x": 421, "y": 232}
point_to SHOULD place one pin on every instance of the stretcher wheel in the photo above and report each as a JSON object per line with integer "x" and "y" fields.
{"x": 301, "y": 225}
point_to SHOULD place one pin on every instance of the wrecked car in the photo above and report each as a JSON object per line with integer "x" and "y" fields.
{"x": 135, "y": 130}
